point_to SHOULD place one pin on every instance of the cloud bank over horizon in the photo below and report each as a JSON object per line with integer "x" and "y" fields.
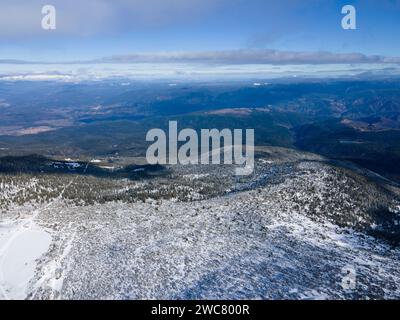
{"x": 231, "y": 57}
{"x": 251, "y": 57}
{"x": 183, "y": 72}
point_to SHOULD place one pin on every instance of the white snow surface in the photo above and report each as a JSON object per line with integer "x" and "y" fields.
{"x": 21, "y": 244}
{"x": 246, "y": 245}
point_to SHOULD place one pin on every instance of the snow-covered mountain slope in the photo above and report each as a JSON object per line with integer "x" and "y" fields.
{"x": 297, "y": 229}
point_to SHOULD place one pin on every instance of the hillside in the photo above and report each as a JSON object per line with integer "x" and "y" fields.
{"x": 289, "y": 231}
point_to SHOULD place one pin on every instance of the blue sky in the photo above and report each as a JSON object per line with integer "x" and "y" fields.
{"x": 93, "y": 29}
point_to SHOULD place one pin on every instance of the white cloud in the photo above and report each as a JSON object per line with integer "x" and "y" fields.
{"x": 252, "y": 57}
{"x": 232, "y": 57}
{"x": 177, "y": 72}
